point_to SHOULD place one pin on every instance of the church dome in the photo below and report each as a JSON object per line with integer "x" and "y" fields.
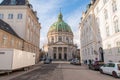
{"x": 60, "y": 25}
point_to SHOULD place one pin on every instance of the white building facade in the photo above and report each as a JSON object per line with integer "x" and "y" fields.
{"x": 105, "y": 31}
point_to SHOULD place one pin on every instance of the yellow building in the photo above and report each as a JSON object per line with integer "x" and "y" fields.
{"x": 9, "y": 38}
{"x": 24, "y": 21}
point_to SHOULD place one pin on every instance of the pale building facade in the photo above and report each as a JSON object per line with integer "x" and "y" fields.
{"x": 23, "y": 20}
{"x": 104, "y": 31}
{"x": 60, "y": 41}
{"x": 108, "y": 17}
{"x": 88, "y": 36}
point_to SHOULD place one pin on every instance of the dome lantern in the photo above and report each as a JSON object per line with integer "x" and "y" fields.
{"x": 60, "y": 17}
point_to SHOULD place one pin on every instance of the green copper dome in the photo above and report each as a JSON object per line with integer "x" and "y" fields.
{"x": 60, "y": 25}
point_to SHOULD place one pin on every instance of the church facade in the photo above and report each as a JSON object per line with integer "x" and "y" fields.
{"x": 60, "y": 41}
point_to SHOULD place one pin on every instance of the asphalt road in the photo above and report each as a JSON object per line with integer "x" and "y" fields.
{"x": 58, "y": 71}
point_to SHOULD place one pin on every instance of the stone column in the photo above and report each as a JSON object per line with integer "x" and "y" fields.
{"x": 67, "y": 53}
{"x": 62, "y": 52}
{"x": 57, "y": 53}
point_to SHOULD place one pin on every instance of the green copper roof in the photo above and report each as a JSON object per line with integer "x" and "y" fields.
{"x": 60, "y": 25}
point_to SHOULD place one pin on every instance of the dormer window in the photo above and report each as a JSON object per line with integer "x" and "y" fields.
{"x": 13, "y": 2}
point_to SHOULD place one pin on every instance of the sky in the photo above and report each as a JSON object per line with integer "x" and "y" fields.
{"x": 48, "y": 10}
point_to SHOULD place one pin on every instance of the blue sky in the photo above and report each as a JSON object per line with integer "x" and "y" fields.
{"x": 48, "y": 10}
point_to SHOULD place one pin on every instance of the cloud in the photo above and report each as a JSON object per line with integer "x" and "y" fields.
{"x": 73, "y": 20}
{"x": 47, "y": 11}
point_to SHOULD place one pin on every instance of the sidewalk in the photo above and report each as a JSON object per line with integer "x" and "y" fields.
{"x": 20, "y": 72}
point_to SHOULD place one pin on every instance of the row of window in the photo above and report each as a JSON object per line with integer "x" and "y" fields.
{"x": 11, "y": 16}
{"x": 116, "y": 27}
{"x": 114, "y": 9}
{"x": 60, "y": 49}
{"x": 61, "y": 39}
{"x": 13, "y": 42}
{"x": 109, "y": 49}
{"x": 88, "y": 51}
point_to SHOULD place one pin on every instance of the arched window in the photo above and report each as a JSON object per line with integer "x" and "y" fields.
{"x": 114, "y": 6}
{"x": 106, "y": 14}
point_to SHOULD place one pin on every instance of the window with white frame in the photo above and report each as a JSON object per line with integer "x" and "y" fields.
{"x": 19, "y": 16}
{"x": 118, "y": 46}
{"x": 109, "y": 49}
{"x": 1, "y": 16}
{"x": 116, "y": 27}
{"x": 12, "y": 42}
{"x": 60, "y": 38}
{"x": 19, "y": 44}
{"x": 4, "y": 40}
{"x": 114, "y": 6}
{"x": 106, "y": 14}
{"x": 107, "y": 31}
{"x": 10, "y": 16}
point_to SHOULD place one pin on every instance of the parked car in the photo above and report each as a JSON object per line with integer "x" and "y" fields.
{"x": 111, "y": 69}
{"x": 96, "y": 65}
{"x": 47, "y": 61}
{"x": 75, "y": 61}
{"x": 42, "y": 59}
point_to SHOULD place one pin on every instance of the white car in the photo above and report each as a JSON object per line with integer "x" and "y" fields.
{"x": 111, "y": 68}
{"x": 75, "y": 61}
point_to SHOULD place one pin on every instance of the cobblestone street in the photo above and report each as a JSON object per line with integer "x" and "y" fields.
{"x": 46, "y": 72}
{"x": 58, "y": 71}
